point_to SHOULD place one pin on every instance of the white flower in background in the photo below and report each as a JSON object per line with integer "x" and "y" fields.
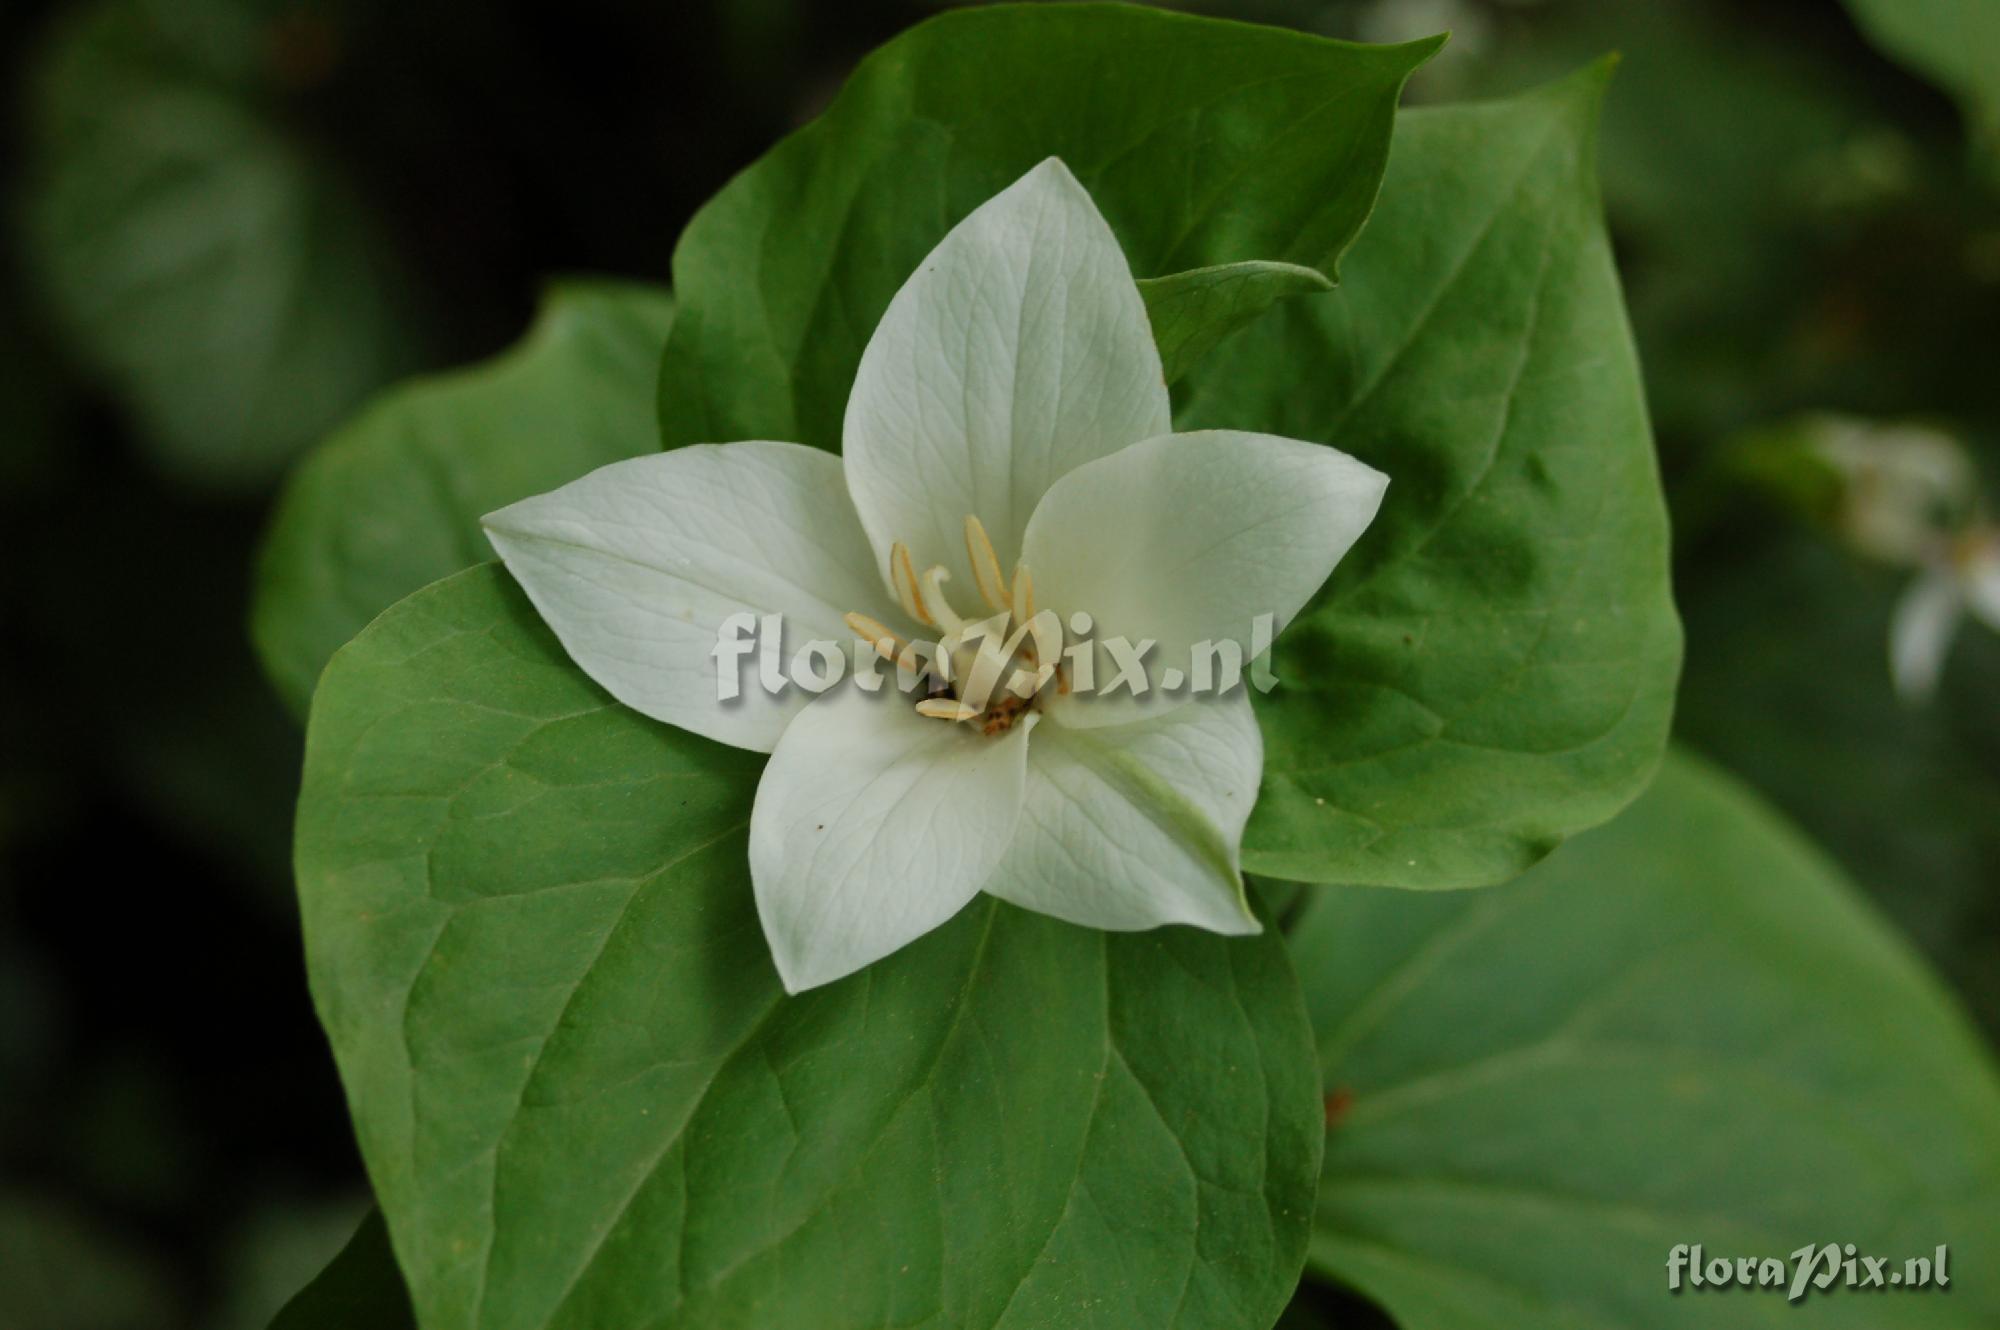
{"x": 1963, "y": 579}
{"x": 1904, "y": 488}
{"x": 1910, "y": 498}
{"x": 1007, "y": 443}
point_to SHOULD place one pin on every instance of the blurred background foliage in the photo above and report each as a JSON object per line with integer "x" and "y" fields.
{"x": 230, "y": 221}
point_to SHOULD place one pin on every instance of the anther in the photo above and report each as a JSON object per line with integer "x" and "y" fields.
{"x": 878, "y": 635}
{"x": 1024, "y": 593}
{"x": 903, "y": 575}
{"x": 985, "y": 565}
{"x": 945, "y": 708}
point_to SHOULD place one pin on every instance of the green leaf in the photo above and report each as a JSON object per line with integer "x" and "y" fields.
{"x": 393, "y": 500}
{"x": 203, "y": 259}
{"x": 1953, "y": 43}
{"x": 584, "y": 1100}
{"x": 1734, "y": 159}
{"x": 1492, "y": 668}
{"x": 1686, "y": 1028}
{"x": 1193, "y": 311}
{"x": 1202, "y": 142}
{"x": 360, "y": 1287}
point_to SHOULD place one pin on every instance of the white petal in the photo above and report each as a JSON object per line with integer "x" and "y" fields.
{"x": 1189, "y": 538}
{"x": 1920, "y": 634}
{"x": 1018, "y": 350}
{"x": 637, "y": 565}
{"x": 1982, "y": 588}
{"x": 872, "y": 826}
{"x": 1134, "y": 826}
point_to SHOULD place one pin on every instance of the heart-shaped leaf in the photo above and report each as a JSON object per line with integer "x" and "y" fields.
{"x": 1683, "y": 1029}
{"x": 392, "y": 501}
{"x": 1202, "y": 142}
{"x": 584, "y": 1100}
{"x": 1493, "y": 666}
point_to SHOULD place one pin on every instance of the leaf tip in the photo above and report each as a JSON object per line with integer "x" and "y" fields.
{"x": 1590, "y": 82}
{"x": 1427, "y": 47}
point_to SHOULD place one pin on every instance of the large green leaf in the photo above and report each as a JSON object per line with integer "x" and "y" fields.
{"x": 584, "y": 1100}
{"x": 1492, "y": 668}
{"x": 202, "y": 257}
{"x": 393, "y": 500}
{"x": 1954, "y": 43}
{"x": 1734, "y": 159}
{"x": 1203, "y": 142}
{"x": 1685, "y": 1028}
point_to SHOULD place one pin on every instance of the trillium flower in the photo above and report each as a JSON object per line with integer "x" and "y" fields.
{"x": 1903, "y": 488}
{"x": 1007, "y": 453}
{"x": 1909, "y": 496}
{"x": 1964, "y": 578}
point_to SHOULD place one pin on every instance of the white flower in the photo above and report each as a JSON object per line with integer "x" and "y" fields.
{"x": 1964, "y": 578}
{"x": 1903, "y": 487}
{"x": 1909, "y": 496}
{"x": 1008, "y": 415}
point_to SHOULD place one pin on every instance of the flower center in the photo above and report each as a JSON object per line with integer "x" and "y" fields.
{"x": 1974, "y": 547}
{"x": 974, "y": 677}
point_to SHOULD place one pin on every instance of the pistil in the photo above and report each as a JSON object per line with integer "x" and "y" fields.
{"x": 942, "y": 614}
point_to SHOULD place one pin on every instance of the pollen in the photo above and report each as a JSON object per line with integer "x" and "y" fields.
{"x": 1001, "y": 716}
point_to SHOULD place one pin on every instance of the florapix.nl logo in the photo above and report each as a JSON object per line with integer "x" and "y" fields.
{"x": 981, "y": 665}
{"x": 1810, "y": 1268}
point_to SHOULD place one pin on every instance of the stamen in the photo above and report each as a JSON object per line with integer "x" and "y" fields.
{"x": 945, "y": 708}
{"x": 923, "y": 599}
{"x": 903, "y": 575}
{"x": 878, "y": 635}
{"x": 1024, "y": 593}
{"x": 985, "y": 565}
{"x": 932, "y": 584}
